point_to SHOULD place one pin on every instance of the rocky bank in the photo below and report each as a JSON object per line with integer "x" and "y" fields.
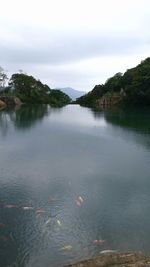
{"x": 115, "y": 260}
{"x": 7, "y": 101}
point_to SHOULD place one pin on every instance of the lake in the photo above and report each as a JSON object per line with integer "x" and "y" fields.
{"x": 69, "y": 177}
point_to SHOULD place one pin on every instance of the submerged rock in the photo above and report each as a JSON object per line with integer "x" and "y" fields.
{"x": 115, "y": 260}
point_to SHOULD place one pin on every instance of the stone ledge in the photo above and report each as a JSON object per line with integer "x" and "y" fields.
{"x": 2, "y": 104}
{"x": 10, "y": 100}
{"x": 115, "y": 260}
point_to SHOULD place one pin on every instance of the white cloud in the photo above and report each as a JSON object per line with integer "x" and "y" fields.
{"x": 74, "y": 43}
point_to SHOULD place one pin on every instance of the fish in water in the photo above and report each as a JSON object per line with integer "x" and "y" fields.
{"x": 80, "y": 199}
{"x": 66, "y": 248}
{"x": 11, "y": 206}
{"x": 38, "y": 215}
{"x": 39, "y": 211}
{"x": 98, "y": 242}
{"x": 48, "y": 221}
{"x": 78, "y": 202}
{"x": 27, "y": 208}
{"x": 108, "y": 251}
{"x": 59, "y": 223}
{"x": 51, "y": 199}
{"x": 11, "y": 237}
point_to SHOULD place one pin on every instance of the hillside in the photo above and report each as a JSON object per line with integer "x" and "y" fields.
{"x": 30, "y": 90}
{"x": 130, "y": 88}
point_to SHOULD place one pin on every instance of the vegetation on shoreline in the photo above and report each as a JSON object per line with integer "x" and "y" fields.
{"x": 131, "y": 88}
{"x": 30, "y": 90}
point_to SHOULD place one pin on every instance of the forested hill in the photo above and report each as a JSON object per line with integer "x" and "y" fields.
{"x": 30, "y": 90}
{"x": 131, "y": 88}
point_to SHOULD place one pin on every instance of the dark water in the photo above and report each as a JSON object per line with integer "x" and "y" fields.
{"x": 50, "y": 157}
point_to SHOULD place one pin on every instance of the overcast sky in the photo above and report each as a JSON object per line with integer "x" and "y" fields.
{"x": 76, "y": 43}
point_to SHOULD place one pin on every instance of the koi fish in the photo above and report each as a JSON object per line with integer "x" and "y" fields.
{"x": 98, "y": 242}
{"x": 108, "y": 251}
{"x": 59, "y": 223}
{"x": 51, "y": 199}
{"x": 27, "y": 208}
{"x": 11, "y": 237}
{"x": 48, "y": 221}
{"x": 11, "y": 206}
{"x": 40, "y": 211}
{"x": 80, "y": 199}
{"x": 66, "y": 248}
{"x": 78, "y": 202}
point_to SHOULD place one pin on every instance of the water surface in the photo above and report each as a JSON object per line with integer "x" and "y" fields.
{"x": 50, "y": 157}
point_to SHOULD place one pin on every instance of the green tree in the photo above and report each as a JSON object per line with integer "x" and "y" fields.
{"x": 3, "y": 78}
{"x": 30, "y": 90}
{"x": 134, "y": 84}
{"x": 58, "y": 98}
{"x": 114, "y": 84}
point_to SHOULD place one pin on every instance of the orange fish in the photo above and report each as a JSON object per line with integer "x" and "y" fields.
{"x": 98, "y": 242}
{"x": 38, "y": 211}
{"x": 11, "y": 206}
{"x": 51, "y": 199}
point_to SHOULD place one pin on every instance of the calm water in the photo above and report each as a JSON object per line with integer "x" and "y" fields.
{"x": 50, "y": 157}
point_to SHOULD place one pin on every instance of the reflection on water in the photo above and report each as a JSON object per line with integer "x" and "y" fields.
{"x": 136, "y": 119}
{"x": 69, "y": 177}
{"x": 24, "y": 117}
{"x": 128, "y": 122}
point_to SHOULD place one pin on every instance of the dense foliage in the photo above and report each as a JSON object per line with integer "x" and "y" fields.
{"x": 90, "y": 98}
{"x": 135, "y": 84}
{"x": 58, "y": 98}
{"x": 30, "y": 90}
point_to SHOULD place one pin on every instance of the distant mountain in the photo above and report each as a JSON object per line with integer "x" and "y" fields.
{"x": 72, "y": 93}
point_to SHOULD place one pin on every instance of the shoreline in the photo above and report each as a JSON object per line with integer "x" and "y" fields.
{"x": 129, "y": 259}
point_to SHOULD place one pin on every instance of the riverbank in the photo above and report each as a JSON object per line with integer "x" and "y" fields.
{"x": 115, "y": 260}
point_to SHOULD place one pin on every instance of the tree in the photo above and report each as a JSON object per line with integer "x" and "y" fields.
{"x": 3, "y": 78}
{"x": 133, "y": 87}
{"x": 58, "y": 98}
{"x": 114, "y": 84}
{"x": 30, "y": 90}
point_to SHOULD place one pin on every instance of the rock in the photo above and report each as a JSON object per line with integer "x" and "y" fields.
{"x": 10, "y": 100}
{"x": 2, "y": 104}
{"x": 115, "y": 260}
{"x": 111, "y": 100}
{"x": 17, "y": 101}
